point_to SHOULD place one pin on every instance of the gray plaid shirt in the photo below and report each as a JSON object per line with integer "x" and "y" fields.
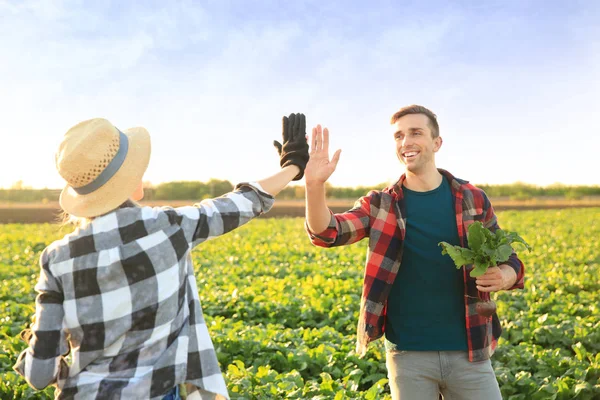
{"x": 121, "y": 294}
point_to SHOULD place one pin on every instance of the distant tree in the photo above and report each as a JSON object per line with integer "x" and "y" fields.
{"x": 196, "y": 190}
{"x": 19, "y": 185}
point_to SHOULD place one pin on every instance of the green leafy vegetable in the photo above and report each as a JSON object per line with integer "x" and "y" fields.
{"x": 486, "y": 248}
{"x": 282, "y": 311}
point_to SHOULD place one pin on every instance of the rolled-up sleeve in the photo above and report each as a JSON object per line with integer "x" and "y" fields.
{"x": 345, "y": 228}
{"x": 491, "y": 222}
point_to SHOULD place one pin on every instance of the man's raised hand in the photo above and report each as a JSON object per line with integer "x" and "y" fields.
{"x": 319, "y": 167}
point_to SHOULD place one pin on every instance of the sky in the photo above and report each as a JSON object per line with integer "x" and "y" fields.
{"x": 515, "y": 84}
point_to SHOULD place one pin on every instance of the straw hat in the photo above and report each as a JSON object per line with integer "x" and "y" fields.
{"x": 102, "y": 166}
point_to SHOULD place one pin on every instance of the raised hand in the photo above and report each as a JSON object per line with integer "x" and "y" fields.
{"x": 320, "y": 167}
{"x": 294, "y": 150}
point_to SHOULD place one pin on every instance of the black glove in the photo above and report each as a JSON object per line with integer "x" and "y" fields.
{"x": 294, "y": 150}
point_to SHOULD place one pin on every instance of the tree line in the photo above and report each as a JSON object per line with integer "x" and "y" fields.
{"x": 195, "y": 190}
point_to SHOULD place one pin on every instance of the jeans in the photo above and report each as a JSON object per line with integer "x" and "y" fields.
{"x": 424, "y": 375}
{"x": 173, "y": 394}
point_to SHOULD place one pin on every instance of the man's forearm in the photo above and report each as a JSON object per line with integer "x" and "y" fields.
{"x": 509, "y": 276}
{"x": 317, "y": 212}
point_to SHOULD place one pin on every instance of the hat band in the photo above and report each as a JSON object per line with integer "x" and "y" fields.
{"x": 110, "y": 170}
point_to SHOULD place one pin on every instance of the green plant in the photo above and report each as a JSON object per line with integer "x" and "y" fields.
{"x": 284, "y": 312}
{"x": 486, "y": 248}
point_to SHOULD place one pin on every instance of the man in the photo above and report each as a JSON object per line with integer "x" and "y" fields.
{"x": 435, "y": 341}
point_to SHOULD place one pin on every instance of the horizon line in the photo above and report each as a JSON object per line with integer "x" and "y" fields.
{"x": 22, "y": 186}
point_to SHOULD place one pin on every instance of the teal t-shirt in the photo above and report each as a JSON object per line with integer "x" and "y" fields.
{"x": 425, "y": 306}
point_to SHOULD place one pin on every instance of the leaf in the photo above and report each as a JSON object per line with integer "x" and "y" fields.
{"x": 513, "y": 237}
{"x": 502, "y": 253}
{"x": 490, "y": 237}
{"x": 459, "y": 255}
{"x": 545, "y": 392}
{"x": 584, "y": 388}
{"x": 483, "y": 261}
{"x": 580, "y": 351}
{"x": 488, "y": 250}
{"x": 478, "y": 271}
{"x": 518, "y": 397}
{"x": 500, "y": 235}
{"x": 476, "y": 236}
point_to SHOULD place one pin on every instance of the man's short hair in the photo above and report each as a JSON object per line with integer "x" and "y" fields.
{"x": 415, "y": 109}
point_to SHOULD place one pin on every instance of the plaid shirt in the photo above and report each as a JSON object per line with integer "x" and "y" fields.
{"x": 380, "y": 216}
{"x": 121, "y": 294}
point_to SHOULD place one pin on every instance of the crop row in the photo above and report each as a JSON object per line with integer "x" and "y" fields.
{"x": 282, "y": 312}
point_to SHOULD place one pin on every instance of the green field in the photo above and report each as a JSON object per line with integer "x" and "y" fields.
{"x": 282, "y": 313}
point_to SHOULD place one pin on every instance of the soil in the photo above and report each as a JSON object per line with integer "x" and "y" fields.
{"x": 50, "y": 212}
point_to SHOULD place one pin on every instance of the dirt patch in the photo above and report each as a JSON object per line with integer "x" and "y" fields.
{"x": 28, "y": 213}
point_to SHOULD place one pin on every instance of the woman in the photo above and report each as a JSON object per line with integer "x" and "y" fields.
{"x": 119, "y": 292}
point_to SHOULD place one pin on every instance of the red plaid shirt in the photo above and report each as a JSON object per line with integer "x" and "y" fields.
{"x": 380, "y": 216}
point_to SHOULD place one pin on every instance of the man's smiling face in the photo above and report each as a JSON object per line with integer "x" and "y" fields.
{"x": 415, "y": 144}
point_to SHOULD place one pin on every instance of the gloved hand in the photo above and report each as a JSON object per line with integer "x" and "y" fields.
{"x": 294, "y": 150}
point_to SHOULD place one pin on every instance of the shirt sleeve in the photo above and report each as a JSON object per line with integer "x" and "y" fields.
{"x": 345, "y": 228}
{"x": 43, "y": 361}
{"x": 214, "y": 217}
{"x": 491, "y": 222}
